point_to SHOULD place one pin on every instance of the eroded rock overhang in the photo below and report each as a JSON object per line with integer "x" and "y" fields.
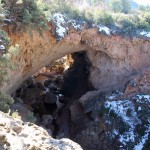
{"x": 114, "y": 58}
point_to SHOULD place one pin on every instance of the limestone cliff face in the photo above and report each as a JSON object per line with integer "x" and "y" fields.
{"x": 114, "y": 59}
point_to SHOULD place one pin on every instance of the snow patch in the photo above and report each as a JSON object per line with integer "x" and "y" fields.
{"x": 125, "y": 109}
{"x": 60, "y": 23}
{"x": 142, "y": 98}
{"x": 143, "y": 140}
{"x": 120, "y": 108}
{"x": 105, "y": 29}
{"x": 2, "y": 47}
{"x": 114, "y": 95}
{"x": 115, "y": 132}
{"x": 127, "y": 137}
{"x": 75, "y": 24}
{"x": 146, "y": 34}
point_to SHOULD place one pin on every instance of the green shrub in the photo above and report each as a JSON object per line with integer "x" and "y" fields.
{"x": 127, "y": 26}
{"x": 104, "y": 18}
{"x": 4, "y": 40}
{"x": 26, "y": 12}
{"x": 5, "y": 64}
{"x": 116, "y": 5}
{"x": 16, "y": 115}
{"x": 5, "y": 102}
{"x": 30, "y": 117}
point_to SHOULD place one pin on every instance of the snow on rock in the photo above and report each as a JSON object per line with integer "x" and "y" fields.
{"x": 143, "y": 98}
{"x": 61, "y": 29}
{"x": 132, "y": 113}
{"x": 2, "y": 47}
{"x": 63, "y": 25}
{"x": 77, "y": 25}
{"x": 121, "y": 107}
{"x": 140, "y": 145}
{"x": 146, "y": 34}
{"x": 104, "y": 29}
{"x": 114, "y": 95}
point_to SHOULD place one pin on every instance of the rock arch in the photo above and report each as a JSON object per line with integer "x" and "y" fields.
{"x": 114, "y": 59}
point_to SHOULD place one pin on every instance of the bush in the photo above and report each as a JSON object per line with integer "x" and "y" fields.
{"x": 25, "y": 12}
{"x": 28, "y": 118}
{"x": 104, "y": 18}
{"x": 116, "y": 5}
{"x": 5, "y": 102}
{"x": 5, "y": 64}
{"x": 126, "y": 24}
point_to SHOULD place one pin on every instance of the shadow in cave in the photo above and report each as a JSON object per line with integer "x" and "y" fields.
{"x": 50, "y": 94}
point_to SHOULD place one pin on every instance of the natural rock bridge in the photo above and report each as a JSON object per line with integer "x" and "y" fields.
{"x": 114, "y": 59}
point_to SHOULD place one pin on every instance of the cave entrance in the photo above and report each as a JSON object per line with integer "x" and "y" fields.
{"x": 48, "y": 94}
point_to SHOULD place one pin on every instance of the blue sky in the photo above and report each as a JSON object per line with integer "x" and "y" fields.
{"x": 143, "y": 2}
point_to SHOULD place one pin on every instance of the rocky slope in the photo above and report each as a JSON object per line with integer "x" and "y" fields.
{"x": 17, "y": 135}
{"x": 116, "y": 121}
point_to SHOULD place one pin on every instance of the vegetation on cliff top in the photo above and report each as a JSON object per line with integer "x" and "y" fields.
{"x": 116, "y": 14}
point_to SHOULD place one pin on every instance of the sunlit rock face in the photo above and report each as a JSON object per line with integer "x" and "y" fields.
{"x": 17, "y": 135}
{"x": 114, "y": 59}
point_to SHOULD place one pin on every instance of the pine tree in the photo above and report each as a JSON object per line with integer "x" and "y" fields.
{"x": 116, "y": 5}
{"x": 126, "y": 6}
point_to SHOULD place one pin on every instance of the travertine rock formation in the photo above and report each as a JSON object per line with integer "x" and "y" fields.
{"x": 17, "y": 135}
{"x": 114, "y": 59}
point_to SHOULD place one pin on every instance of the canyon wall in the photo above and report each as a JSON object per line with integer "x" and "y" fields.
{"x": 114, "y": 59}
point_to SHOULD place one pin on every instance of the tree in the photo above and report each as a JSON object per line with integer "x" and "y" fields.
{"x": 126, "y": 6}
{"x": 116, "y": 5}
{"x": 26, "y": 12}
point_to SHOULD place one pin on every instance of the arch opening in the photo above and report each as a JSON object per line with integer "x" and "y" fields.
{"x": 47, "y": 95}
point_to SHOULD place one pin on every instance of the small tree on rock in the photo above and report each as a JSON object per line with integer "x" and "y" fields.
{"x": 116, "y": 5}
{"x": 126, "y": 6}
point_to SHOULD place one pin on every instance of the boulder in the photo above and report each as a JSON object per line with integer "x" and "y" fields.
{"x": 50, "y": 98}
{"x": 138, "y": 84}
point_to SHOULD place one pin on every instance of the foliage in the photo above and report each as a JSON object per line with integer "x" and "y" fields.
{"x": 110, "y": 13}
{"x": 16, "y": 115}
{"x": 26, "y": 12}
{"x": 1, "y": 11}
{"x": 126, "y": 6}
{"x": 30, "y": 117}
{"x": 104, "y": 18}
{"x": 5, "y": 102}
{"x": 128, "y": 23}
{"x": 4, "y": 41}
{"x": 121, "y": 6}
{"x": 116, "y": 5}
{"x": 5, "y": 64}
